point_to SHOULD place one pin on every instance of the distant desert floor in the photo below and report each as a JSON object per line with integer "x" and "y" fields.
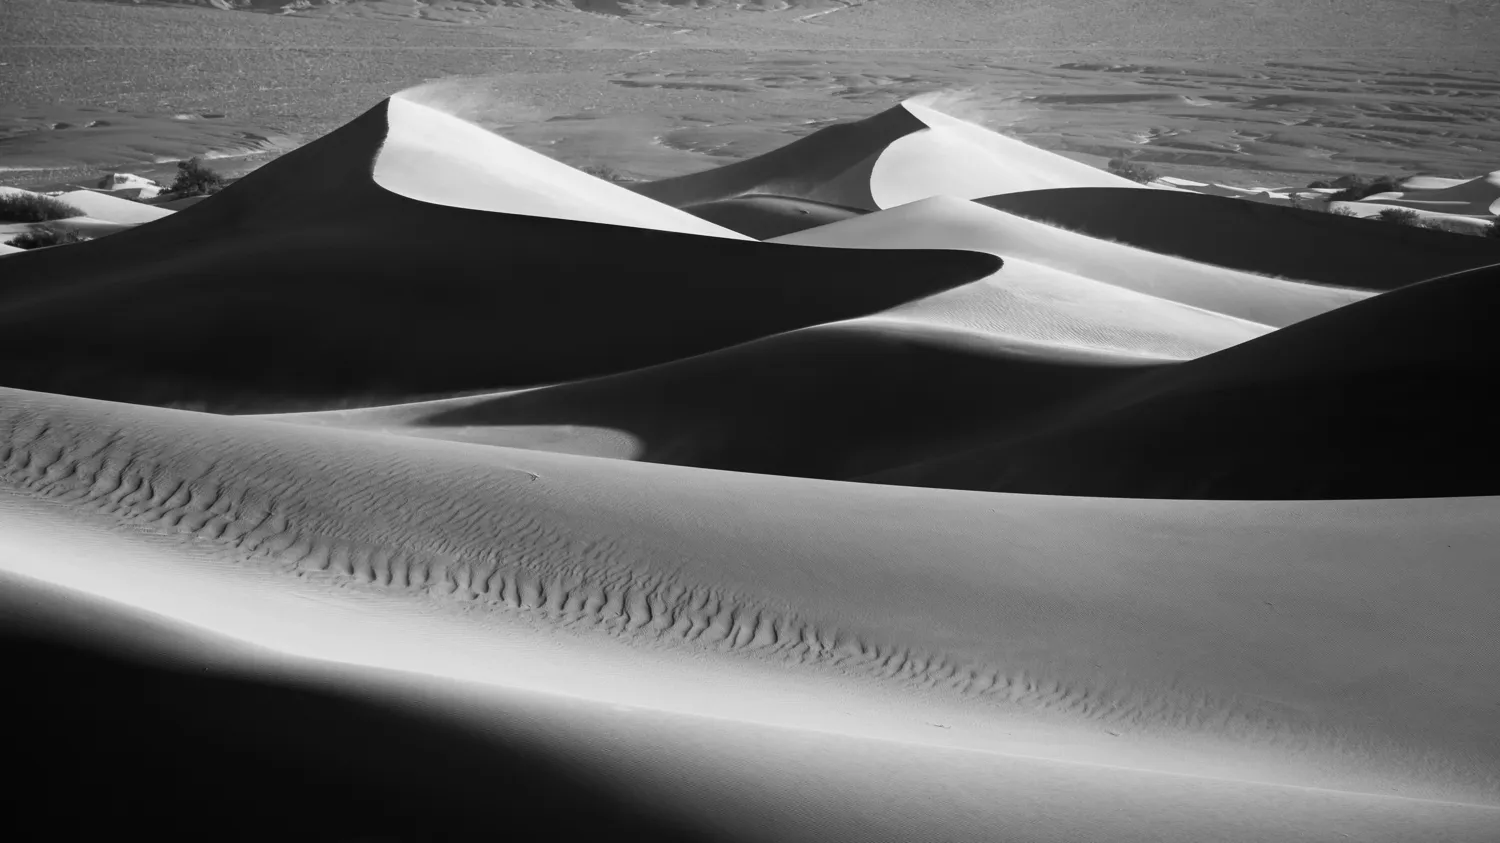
{"x": 1349, "y": 89}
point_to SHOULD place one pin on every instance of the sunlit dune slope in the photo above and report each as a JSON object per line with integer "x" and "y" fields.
{"x": 1334, "y": 645}
{"x": 1382, "y": 399}
{"x": 764, "y": 217}
{"x": 309, "y": 282}
{"x": 906, "y": 153}
{"x": 1256, "y": 237}
{"x": 1474, "y": 197}
{"x": 832, "y": 401}
{"x": 1161, "y": 280}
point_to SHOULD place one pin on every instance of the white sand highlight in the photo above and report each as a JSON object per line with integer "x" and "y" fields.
{"x": 1307, "y": 647}
{"x": 113, "y": 209}
{"x": 435, "y": 157}
{"x": 907, "y": 153}
{"x": 951, "y": 223}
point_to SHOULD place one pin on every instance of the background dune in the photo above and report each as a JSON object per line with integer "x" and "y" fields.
{"x": 308, "y": 282}
{"x": 1249, "y": 236}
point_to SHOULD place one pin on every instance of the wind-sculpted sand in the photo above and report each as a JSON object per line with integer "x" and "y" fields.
{"x": 947, "y": 519}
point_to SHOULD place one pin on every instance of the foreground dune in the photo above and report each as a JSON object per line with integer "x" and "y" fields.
{"x": 1256, "y": 237}
{"x": 1380, "y": 399}
{"x": 904, "y": 154}
{"x": 308, "y": 281}
{"x": 767, "y": 659}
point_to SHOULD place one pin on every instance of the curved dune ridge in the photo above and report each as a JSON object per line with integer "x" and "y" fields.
{"x": 1027, "y": 517}
{"x": 906, "y": 153}
{"x": 1381, "y": 399}
{"x": 1474, "y": 197}
{"x": 945, "y": 222}
{"x": 1255, "y": 237}
{"x": 1151, "y": 650}
{"x": 307, "y": 281}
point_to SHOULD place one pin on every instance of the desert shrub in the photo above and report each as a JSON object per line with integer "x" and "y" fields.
{"x": 34, "y": 207}
{"x": 1493, "y": 230}
{"x": 1133, "y": 170}
{"x": 195, "y": 178}
{"x": 609, "y": 174}
{"x": 1356, "y": 188}
{"x": 1341, "y": 212}
{"x": 1450, "y": 226}
{"x": 1401, "y": 216}
{"x": 41, "y": 236}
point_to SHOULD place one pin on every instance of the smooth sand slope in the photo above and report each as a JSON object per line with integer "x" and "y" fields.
{"x": 1256, "y": 237}
{"x": 308, "y": 281}
{"x": 833, "y": 401}
{"x": 1140, "y": 286}
{"x": 903, "y": 154}
{"x": 758, "y": 658}
{"x": 1381, "y": 399}
{"x": 764, "y": 217}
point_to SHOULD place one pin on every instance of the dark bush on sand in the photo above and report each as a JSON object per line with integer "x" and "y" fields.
{"x": 195, "y": 178}
{"x": 1356, "y": 188}
{"x": 42, "y": 236}
{"x": 1128, "y": 169}
{"x": 34, "y": 207}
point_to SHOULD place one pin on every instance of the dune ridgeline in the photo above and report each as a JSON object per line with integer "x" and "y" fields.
{"x": 903, "y": 483}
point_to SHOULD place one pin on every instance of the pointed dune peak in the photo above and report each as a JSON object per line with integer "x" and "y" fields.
{"x": 432, "y": 156}
{"x": 906, "y": 153}
{"x": 954, "y": 157}
{"x": 307, "y": 284}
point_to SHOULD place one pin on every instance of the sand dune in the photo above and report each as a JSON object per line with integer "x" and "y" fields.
{"x": 435, "y": 157}
{"x": 1381, "y": 399}
{"x": 944, "y": 222}
{"x": 1229, "y": 656}
{"x": 832, "y": 401}
{"x": 308, "y": 282}
{"x": 904, "y": 154}
{"x": 106, "y": 208}
{"x": 1256, "y": 237}
{"x": 1475, "y": 197}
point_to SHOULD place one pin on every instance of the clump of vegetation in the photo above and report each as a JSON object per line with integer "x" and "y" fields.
{"x": 1355, "y": 188}
{"x": 195, "y": 178}
{"x": 42, "y": 236}
{"x": 1402, "y": 216}
{"x": 609, "y": 174}
{"x": 34, "y": 207}
{"x": 1125, "y": 168}
{"x": 1493, "y": 230}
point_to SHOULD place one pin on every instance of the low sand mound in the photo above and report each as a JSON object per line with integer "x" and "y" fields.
{"x": 113, "y": 209}
{"x": 834, "y": 401}
{"x": 764, "y": 217}
{"x": 768, "y": 659}
{"x": 1255, "y": 236}
{"x": 307, "y": 282}
{"x": 1383, "y": 399}
{"x": 901, "y": 155}
{"x": 944, "y": 222}
{"x": 8, "y": 250}
{"x": 1475, "y": 197}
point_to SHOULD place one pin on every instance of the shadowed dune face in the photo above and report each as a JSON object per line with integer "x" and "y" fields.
{"x": 174, "y": 749}
{"x": 1250, "y": 236}
{"x": 765, "y": 217}
{"x": 1381, "y": 399}
{"x": 308, "y": 282}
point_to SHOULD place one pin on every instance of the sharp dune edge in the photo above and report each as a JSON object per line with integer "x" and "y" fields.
{"x": 616, "y": 580}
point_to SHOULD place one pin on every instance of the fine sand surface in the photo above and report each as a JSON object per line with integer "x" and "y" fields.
{"x": 843, "y": 662}
{"x": 993, "y": 501}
